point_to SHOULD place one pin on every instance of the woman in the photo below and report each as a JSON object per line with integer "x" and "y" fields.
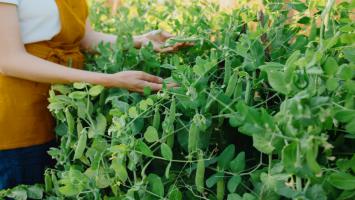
{"x": 38, "y": 39}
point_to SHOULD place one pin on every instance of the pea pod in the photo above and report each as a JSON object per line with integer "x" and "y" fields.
{"x": 238, "y": 89}
{"x": 200, "y": 173}
{"x": 247, "y": 91}
{"x": 54, "y": 180}
{"x": 156, "y": 119}
{"x": 172, "y": 41}
{"x": 170, "y": 137}
{"x": 48, "y": 185}
{"x": 168, "y": 125}
{"x": 231, "y": 84}
{"x": 80, "y": 148}
{"x": 193, "y": 137}
{"x": 220, "y": 189}
{"x": 313, "y": 31}
{"x": 227, "y": 70}
{"x": 70, "y": 121}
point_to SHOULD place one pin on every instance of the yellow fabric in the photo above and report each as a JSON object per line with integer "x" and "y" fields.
{"x": 24, "y": 117}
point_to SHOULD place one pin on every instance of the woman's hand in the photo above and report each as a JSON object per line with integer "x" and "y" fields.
{"x": 158, "y": 39}
{"x": 135, "y": 81}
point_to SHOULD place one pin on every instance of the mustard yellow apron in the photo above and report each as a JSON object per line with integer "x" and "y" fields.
{"x": 24, "y": 118}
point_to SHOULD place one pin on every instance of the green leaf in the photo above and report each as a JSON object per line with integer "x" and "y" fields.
{"x": 276, "y": 80}
{"x": 349, "y": 54}
{"x": 96, "y": 90}
{"x": 226, "y": 156}
{"x": 331, "y": 66}
{"x": 35, "y": 192}
{"x": 143, "y": 106}
{"x": 80, "y": 85}
{"x": 174, "y": 193}
{"x": 202, "y": 66}
{"x": 18, "y": 193}
{"x": 304, "y": 20}
{"x": 156, "y": 185}
{"x": 68, "y": 190}
{"x": 101, "y": 124}
{"x": 289, "y": 157}
{"x": 342, "y": 180}
{"x": 132, "y": 112}
{"x": 212, "y": 180}
{"x": 143, "y": 148}
{"x": 332, "y": 84}
{"x": 166, "y": 151}
{"x": 78, "y": 95}
{"x": 345, "y": 115}
{"x": 63, "y": 89}
{"x": 151, "y": 134}
{"x": 234, "y": 196}
{"x": 346, "y": 72}
{"x": 233, "y": 183}
{"x": 299, "y": 6}
{"x": 316, "y": 192}
{"x": 120, "y": 169}
{"x": 262, "y": 144}
{"x": 350, "y": 127}
{"x": 238, "y": 164}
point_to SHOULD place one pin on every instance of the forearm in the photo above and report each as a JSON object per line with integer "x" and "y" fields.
{"x": 28, "y": 67}
{"x": 93, "y": 38}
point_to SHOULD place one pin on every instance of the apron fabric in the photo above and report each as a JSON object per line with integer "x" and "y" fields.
{"x": 26, "y": 125}
{"x": 15, "y": 170}
{"x": 24, "y": 118}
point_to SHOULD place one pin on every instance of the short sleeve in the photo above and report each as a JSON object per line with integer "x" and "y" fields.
{"x": 16, "y": 2}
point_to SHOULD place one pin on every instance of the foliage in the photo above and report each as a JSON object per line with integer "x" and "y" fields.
{"x": 264, "y": 108}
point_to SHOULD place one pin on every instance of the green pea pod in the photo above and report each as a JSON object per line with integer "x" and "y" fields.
{"x": 54, "y": 180}
{"x": 200, "y": 173}
{"x": 122, "y": 172}
{"x": 172, "y": 115}
{"x": 227, "y": 70}
{"x": 156, "y": 119}
{"x": 231, "y": 84}
{"x": 172, "y": 110}
{"x": 313, "y": 31}
{"x": 220, "y": 189}
{"x": 48, "y": 185}
{"x": 70, "y": 121}
{"x": 80, "y": 148}
{"x": 238, "y": 89}
{"x": 193, "y": 138}
{"x": 247, "y": 91}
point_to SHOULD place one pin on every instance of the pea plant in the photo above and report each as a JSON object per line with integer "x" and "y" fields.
{"x": 264, "y": 108}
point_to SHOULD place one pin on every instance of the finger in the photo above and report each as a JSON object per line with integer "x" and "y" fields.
{"x": 153, "y": 86}
{"x": 172, "y": 85}
{"x": 167, "y": 49}
{"x": 174, "y": 48}
{"x": 166, "y": 34}
{"x": 151, "y": 78}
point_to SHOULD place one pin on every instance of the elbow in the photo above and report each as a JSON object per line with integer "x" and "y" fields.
{"x": 9, "y": 61}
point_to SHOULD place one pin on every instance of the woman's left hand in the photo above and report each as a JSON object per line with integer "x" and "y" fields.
{"x": 158, "y": 39}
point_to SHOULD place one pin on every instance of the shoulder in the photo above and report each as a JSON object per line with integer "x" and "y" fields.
{"x": 16, "y": 2}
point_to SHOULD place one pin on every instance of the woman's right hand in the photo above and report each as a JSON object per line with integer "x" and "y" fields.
{"x": 135, "y": 81}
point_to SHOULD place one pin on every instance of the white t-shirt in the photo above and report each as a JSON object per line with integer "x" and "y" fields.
{"x": 39, "y": 19}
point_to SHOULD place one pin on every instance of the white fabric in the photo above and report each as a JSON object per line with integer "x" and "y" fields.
{"x": 39, "y": 19}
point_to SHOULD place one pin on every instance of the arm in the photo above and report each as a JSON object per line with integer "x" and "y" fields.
{"x": 157, "y": 38}
{"x": 16, "y": 62}
{"x": 93, "y": 38}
